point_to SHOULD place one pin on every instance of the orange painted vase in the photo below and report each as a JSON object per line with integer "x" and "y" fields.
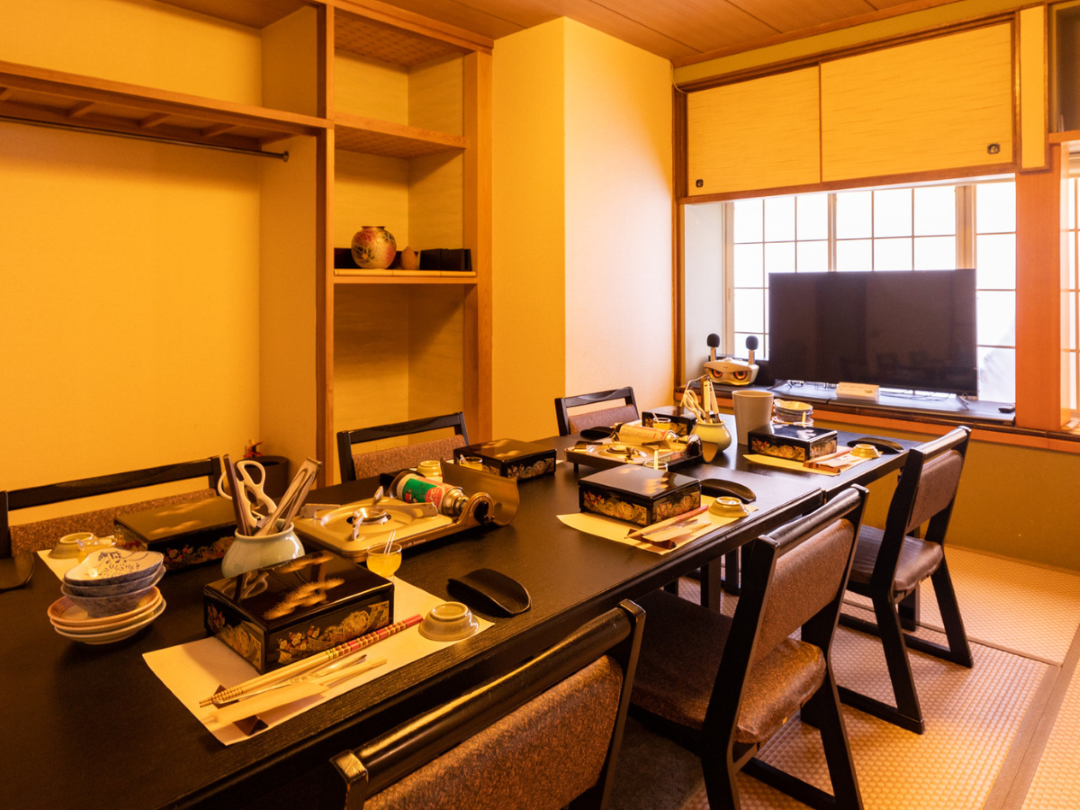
{"x": 373, "y": 247}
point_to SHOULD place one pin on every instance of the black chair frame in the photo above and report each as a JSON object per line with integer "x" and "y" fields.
{"x": 564, "y": 404}
{"x": 366, "y": 771}
{"x": 347, "y": 438}
{"x": 896, "y": 612}
{"x": 15, "y": 499}
{"x": 722, "y": 756}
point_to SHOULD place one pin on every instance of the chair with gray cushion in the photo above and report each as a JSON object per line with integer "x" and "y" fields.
{"x": 604, "y": 417}
{"x": 722, "y": 687}
{"x": 43, "y": 534}
{"x": 356, "y": 465}
{"x": 890, "y": 564}
{"x": 543, "y": 735}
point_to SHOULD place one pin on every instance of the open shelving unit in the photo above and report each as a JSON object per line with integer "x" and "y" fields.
{"x": 411, "y": 152}
{"x": 381, "y": 116}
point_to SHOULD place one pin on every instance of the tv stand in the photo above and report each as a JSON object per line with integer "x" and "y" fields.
{"x": 895, "y": 402}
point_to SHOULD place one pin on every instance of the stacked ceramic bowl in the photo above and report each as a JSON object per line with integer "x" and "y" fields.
{"x": 109, "y": 596}
{"x": 792, "y": 412}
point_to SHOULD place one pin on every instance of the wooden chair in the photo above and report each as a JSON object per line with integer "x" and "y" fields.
{"x": 43, "y": 534}
{"x": 890, "y": 564}
{"x": 355, "y": 466}
{"x": 722, "y": 687}
{"x": 627, "y": 412}
{"x": 540, "y": 736}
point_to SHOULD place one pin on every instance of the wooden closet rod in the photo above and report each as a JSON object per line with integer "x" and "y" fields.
{"x": 284, "y": 156}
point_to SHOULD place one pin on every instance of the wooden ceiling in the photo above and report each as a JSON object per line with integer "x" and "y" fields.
{"x": 679, "y": 30}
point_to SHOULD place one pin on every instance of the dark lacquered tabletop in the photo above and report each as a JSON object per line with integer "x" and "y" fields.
{"x": 94, "y": 727}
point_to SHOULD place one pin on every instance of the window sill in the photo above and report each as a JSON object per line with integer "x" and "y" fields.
{"x": 987, "y": 423}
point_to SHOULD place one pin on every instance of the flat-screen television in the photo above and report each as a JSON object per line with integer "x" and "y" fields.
{"x": 893, "y": 329}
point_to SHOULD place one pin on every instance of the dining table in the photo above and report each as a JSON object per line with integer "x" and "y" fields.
{"x": 93, "y": 727}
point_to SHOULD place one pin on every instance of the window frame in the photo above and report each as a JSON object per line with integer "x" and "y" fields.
{"x": 965, "y": 235}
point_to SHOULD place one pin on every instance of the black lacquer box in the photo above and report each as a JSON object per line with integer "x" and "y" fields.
{"x": 792, "y": 442}
{"x": 679, "y": 422}
{"x": 277, "y": 615}
{"x": 511, "y": 458}
{"x": 189, "y": 533}
{"x": 638, "y": 494}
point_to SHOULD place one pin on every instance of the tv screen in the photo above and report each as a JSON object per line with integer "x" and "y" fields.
{"x": 893, "y": 329}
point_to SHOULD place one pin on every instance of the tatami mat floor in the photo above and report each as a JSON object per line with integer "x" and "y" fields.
{"x": 1004, "y": 735}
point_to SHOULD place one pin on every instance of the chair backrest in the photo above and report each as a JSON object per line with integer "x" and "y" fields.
{"x": 44, "y": 534}
{"x": 627, "y": 412}
{"x": 925, "y": 493}
{"x": 794, "y": 577}
{"x": 354, "y": 466}
{"x": 538, "y": 736}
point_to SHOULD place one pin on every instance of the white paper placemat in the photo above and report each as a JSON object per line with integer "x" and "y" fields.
{"x": 613, "y": 529}
{"x": 194, "y": 671}
{"x": 58, "y": 567}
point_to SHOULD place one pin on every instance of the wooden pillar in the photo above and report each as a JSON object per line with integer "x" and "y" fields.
{"x": 1042, "y": 378}
{"x": 477, "y": 220}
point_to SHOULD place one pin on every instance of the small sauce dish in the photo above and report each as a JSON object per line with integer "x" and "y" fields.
{"x": 728, "y": 507}
{"x": 450, "y": 621}
{"x": 67, "y": 547}
{"x": 865, "y": 451}
{"x": 429, "y": 469}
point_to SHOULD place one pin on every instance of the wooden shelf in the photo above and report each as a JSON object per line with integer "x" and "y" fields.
{"x": 391, "y": 277}
{"x": 355, "y": 134}
{"x": 53, "y": 97}
{"x": 399, "y": 37}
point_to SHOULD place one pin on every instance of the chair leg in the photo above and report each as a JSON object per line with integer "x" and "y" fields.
{"x": 907, "y": 713}
{"x": 908, "y": 610}
{"x": 835, "y": 740}
{"x": 958, "y": 651}
{"x": 720, "y": 785}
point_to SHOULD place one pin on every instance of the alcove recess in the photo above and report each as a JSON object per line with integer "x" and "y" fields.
{"x": 408, "y": 106}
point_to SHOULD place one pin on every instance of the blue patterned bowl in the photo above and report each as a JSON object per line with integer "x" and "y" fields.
{"x": 112, "y": 566}
{"x": 140, "y": 584}
{"x": 97, "y": 606}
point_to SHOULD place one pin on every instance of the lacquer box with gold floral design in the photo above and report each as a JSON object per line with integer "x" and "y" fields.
{"x": 638, "y": 494}
{"x": 511, "y": 458}
{"x": 281, "y": 614}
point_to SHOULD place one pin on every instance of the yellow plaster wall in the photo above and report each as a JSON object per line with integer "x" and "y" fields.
{"x": 618, "y": 218}
{"x": 136, "y": 41}
{"x": 528, "y": 232}
{"x": 130, "y": 307}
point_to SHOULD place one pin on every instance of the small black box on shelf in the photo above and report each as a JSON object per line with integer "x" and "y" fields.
{"x": 452, "y": 259}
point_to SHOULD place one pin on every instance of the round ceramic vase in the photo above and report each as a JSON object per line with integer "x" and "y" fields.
{"x": 248, "y": 553}
{"x": 373, "y": 247}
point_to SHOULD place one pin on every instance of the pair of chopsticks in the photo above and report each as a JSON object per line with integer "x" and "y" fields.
{"x": 308, "y": 664}
{"x": 664, "y": 525}
{"x": 286, "y": 692}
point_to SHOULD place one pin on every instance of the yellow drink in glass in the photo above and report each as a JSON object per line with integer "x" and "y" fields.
{"x": 384, "y": 560}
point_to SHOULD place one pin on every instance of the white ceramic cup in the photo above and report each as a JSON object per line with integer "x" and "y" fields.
{"x": 753, "y": 409}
